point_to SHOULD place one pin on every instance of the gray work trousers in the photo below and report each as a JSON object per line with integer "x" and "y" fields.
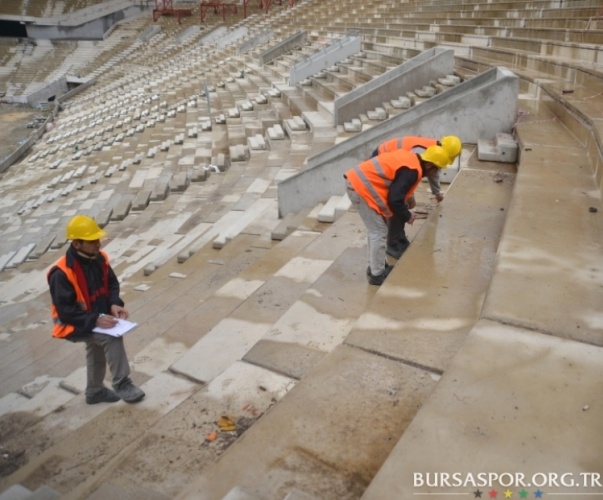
{"x": 103, "y": 350}
{"x": 376, "y": 232}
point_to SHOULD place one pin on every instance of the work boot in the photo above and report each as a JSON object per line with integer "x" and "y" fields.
{"x": 397, "y": 250}
{"x": 105, "y": 395}
{"x": 129, "y": 392}
{"x": 387, "y": 266}
{"x": 380, "y": 278}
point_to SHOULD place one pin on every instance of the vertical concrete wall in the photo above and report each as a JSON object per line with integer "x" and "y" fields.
{"x": 476, "y": 109}
{"x": 429, "y": 65}
{"x": 334, "y": 53}
{"x": 286, "y": 45}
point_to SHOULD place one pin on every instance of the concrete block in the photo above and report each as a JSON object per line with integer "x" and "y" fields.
{"x": 222, "y": 162}
{"x": 355, "y": 125}
{"x": 283, "y": 229}
{"x": 142, "y": 199}
{"x": 503, "y": 148}
{"x": 41, "y": 247}
{"x": 199, "y": 173}
{"x": 402, "y": 102}
{"x": 80, "y": 171}
{"x": 276, "y": 132}
{"x": 6, "y": 258}
{"x": 297, "y": 124}
{"x": 238, "y": 152}
{"x": 378, "y": 114}
{"x": 327, "y": 212}
{"x": 246, "y": 106}
{"x": 122, "y": 208}
{"x": 342, "y": 206}
{"x": 104, "y": 216}
{"x": 161, "y": 189}
{"x": 180, "y": 182}
{"x": 256, "y": 142}
{"x": 426, "y": 91}
{"x": 58, "y": 242}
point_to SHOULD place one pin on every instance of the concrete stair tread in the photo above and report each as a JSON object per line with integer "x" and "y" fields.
{"x": 523, "y": 268}
{"x": 169, "y": 392}
{"x": 244, "y": 325}
{"x": 491, "y": 386}
{"x": 363, "y": 347}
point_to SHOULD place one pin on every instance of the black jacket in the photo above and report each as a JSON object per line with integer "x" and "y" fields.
{"x": 64, "y": 297}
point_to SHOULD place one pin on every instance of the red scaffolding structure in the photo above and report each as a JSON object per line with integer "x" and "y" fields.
{"x": 216, "y": 5}
{"x": 219, "y": 5}
{"x": 166, "y": 8}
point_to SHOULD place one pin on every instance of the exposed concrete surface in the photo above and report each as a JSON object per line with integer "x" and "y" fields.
{"x": 512, "y": 401}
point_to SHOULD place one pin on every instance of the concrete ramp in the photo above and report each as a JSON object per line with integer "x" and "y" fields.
{"x": 478, "y": 108}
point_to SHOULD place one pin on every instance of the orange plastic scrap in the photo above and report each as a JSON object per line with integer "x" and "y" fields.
{"x": 211, "y": 436}
{"x": 226, "y": 424}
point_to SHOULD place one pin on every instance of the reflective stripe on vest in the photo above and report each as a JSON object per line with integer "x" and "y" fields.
{"x": 61, "y": 330}
{"x": 372, "y": 178}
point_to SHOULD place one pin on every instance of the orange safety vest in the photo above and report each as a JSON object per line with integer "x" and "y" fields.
{"x": 407, "y": 143}
{"x": 372, "y": 178}
{"x": 61, "y": 330}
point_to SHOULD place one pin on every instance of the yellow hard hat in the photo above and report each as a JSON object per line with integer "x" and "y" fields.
{"x": 436, "y": 155}
{"x": 453, "y": 146}
{"x": 82, "y": 227}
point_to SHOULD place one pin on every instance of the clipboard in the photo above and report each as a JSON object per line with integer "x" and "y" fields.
{"x": 122, "y": 327}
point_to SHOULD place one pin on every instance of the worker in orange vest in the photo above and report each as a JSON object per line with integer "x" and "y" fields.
{"x": 380, "y": 188}
{"x": 397, "y": 242}
{"x": 85, "y": 295}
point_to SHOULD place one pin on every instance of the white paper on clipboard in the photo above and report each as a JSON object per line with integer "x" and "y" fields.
{"x": 122, "y": 327}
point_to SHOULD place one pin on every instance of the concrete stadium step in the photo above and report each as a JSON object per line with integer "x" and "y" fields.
{"x": 28, "y": 419}
{"x": 552, "y": 339}
{"x": 59, "y": 466}
{"x": 244, "y": 325}
{"x": 388, "y": 358}
{"x": 489, "y": 338}
{"x": 54, "y": 422}
{"x": 502, "y": 378}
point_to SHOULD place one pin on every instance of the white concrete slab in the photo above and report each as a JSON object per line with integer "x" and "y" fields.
{"x": 224, "y": 344}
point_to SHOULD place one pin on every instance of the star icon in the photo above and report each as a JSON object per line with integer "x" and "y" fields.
{"x": 523, "y": 494}
{"x": 508, "y": 494}
{"x": 493, "y": 494}
{"x": 538, "y": 494}
{"x": 477, "y": 494}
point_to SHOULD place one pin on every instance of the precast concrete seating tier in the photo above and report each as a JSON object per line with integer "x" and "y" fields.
{"x": 255, "y": 278}
{"x": 551, "y": 339}
{"x": 386, "y": 367}
{"x": 349, "y": 380}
